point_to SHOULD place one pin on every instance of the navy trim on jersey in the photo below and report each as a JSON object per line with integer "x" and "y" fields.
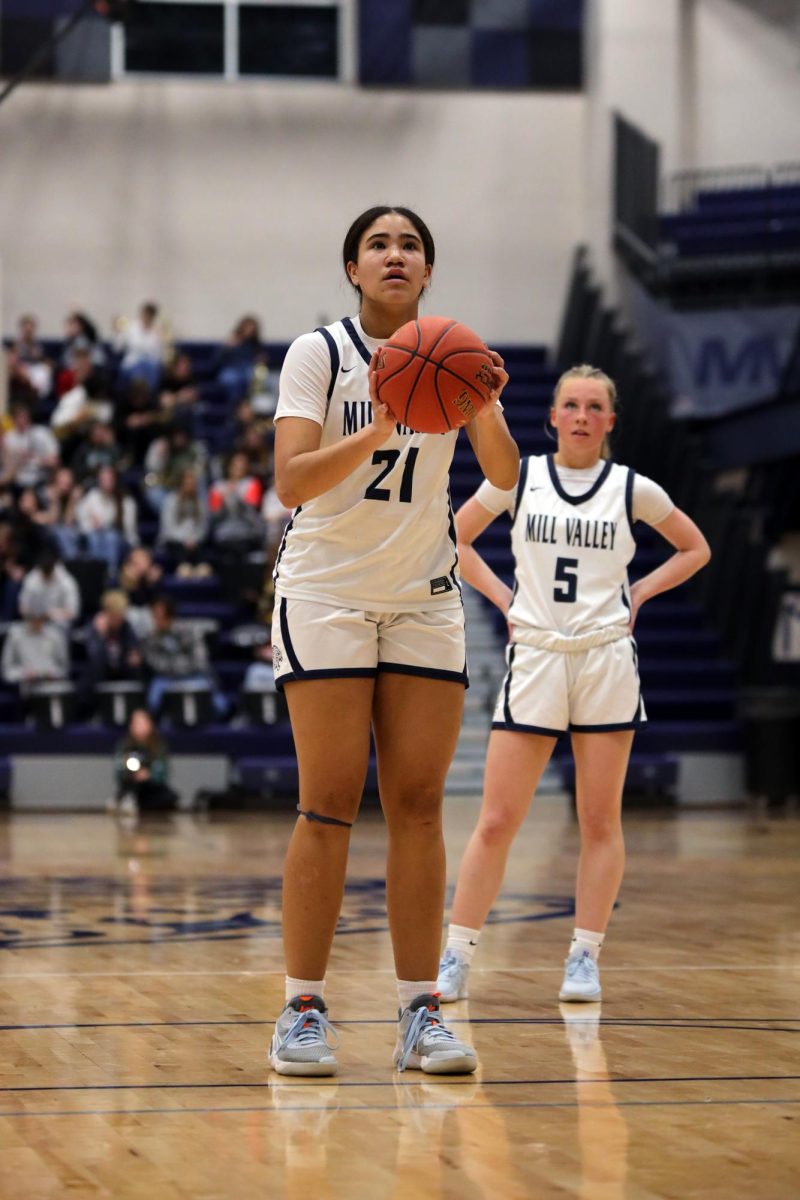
{"x": 333, "y": 350}
{"x": 507, "y": 686}
{"x": 356, "y": 340}
{"x": 637, "y": 716}
{"x": 336, "y": 673}
{"x": 618, "y": 728}
{"x": 629, "y": 497}
{"x": 521, "y": 483}
{"x": 451, "y": 518}
{"x": 513, "y": 727}
{"x": 282, "y": 546}
{"x": 593, "y": 490}
{"x": 287, "y": 639}
{"x": 424, "y": 672}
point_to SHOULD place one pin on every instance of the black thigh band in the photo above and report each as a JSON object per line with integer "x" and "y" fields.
{"x": 312, "y": 816}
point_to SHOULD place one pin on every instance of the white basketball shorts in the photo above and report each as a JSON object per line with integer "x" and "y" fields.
{"x": 320, "y": 641}
{"x": 550, "y": 692}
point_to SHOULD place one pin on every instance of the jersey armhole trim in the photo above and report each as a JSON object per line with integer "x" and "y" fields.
{"x": 629, "y": 498}
{"x": 521, "y": 483}
{"x": 350, "y": 329}
{"x": 333, "y": 350}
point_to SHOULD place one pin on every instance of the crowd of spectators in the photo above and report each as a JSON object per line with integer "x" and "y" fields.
{"x": 111, "y": 489}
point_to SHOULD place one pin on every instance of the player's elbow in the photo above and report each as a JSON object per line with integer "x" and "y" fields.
{"x": 287, "y": 495}
{"x": 504, "y": 476}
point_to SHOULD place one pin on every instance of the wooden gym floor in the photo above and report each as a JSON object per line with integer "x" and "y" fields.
{"x": 140, "y": 973}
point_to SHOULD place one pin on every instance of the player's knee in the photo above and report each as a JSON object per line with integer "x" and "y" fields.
{"x": 600, "y": 826}
{"x": 497, "y": 828}
{"x": 414, "y": 806}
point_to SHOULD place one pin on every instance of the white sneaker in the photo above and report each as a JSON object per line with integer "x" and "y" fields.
{"x": 452, "y": 982}
{"x": 127, "y": 806}
{"x": 300, "y": 1042}
{"x": 424, "y": 1044}
{"x": 581, "y": 978}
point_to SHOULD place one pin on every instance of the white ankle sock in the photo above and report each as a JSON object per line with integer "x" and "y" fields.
{"x": 303, "y": 987}
{"x": 585, "y": 939}
{"x": 463, "y": 941}
{"x": 409, "y": 989}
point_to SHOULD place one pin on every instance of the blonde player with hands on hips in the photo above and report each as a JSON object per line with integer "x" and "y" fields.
{"x": 368, "y": 633}
{"x": 571, "y": 661}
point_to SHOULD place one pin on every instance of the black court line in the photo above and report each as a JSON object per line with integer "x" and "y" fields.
{"x": 739, "y": 1024}
{"x": 339, "y": 1108}
{"x": 157, "y": 1087}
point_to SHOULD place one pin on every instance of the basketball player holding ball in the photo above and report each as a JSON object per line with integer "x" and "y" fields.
{"x": 571, "y": 661}
{"x": 368, "y": 634}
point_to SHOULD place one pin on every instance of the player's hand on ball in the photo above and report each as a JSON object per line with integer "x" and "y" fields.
{"x": 499, "y": 381}
{"x": 383, "y": 422}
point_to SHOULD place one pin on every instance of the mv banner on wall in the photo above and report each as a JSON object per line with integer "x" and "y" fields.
{"x": 718, "y": 361}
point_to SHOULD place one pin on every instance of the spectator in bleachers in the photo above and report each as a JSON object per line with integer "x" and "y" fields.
{"x": 58, "y": 515}
{"x": 179, "y": 392}
{"x": 98, "y": 449}
{"x": 141, "y": 768}
{"x": 107, "y": 518}
{"x": 234, "y": 502}
{"x": 176, "y": 654}
{"x": 30, "y": 371}
{"x": 29, "y": 452}
{"x": 137, "y": 420}
{"x": 112, "y": 647}
{"x": 142, "y": 345}
{"x": 81, "y": 407}
{"x": 48, "y": 587}
{"x": 183, "y": 527}
{"x": 235, "y": 362}
{"x": 28, "y": 347}
{"x": 30, "y": 529}
{"x": 257, "y": 448}
{"x": 35, "y": 649}
{"x": 140, "y": 578}
{"x": 12, "y": 572}
{"x": 167, "y": 459}
{"x": 80, "y": 333}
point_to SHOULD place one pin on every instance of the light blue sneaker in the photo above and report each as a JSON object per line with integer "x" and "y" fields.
{"x": 452, "y": 982}
{"x": 300, "y": 1042}
{"x": 424, "y": 1044}
{"x": 581, "y": 978}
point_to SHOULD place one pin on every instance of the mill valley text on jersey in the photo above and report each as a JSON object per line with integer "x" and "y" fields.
{"x": 357, "y": 414}
{"x": 571, "y": 531}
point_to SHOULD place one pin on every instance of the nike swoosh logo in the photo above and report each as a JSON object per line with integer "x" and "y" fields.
{"x": 346, "y": 369}
{"x": 535, "y": 489}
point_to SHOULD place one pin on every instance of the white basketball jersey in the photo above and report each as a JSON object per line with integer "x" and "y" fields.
{"x": 571, "y": 554}
{"x": 384, "y": 538}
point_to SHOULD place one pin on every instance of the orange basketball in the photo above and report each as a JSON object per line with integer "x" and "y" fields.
{"x": 434, "y": 374}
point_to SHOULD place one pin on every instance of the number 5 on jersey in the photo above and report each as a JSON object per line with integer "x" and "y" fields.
{"x": 566, "y": 591}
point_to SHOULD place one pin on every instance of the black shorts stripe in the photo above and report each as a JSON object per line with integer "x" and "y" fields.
{"x": 425, "y": 672}
{"x": 507, "y": 687}
{"x": 513, "y": 727}
{"x": 335, "y": 673}
{"x": 287, "y": 637}
{"x": 616, "y": 728}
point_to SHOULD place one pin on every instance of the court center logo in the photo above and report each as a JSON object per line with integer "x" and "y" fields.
{"x": 138, "y": 910}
